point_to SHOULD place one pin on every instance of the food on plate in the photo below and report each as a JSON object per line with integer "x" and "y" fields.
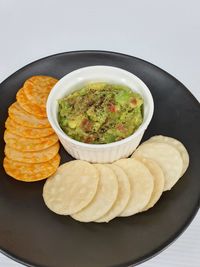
{"x": 27, "y": 132}
{"x": 104, "y": 199}
{"x": 125, "y": 187}
{"x": 141, "y": 182}
{"x": 24, "y": 118}
{"x": 31, "y": 145}
{"x": 167, "y": 157}
{"x": 31, "y": 172}
{"x": 71, "y": 188}
{"x": 158, "y": 180}
{"x": 176, "y": 144}
{"x": 27, "y": 144}
{"x": 28, "y": 106}
{"x": 32, "y": 157}
{"x": 122, "y": 196}
{"x": 100, "y": 113}
{"x": 37, "y": 89}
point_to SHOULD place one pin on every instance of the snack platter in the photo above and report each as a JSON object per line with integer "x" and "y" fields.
{"x": 125, "y": 196}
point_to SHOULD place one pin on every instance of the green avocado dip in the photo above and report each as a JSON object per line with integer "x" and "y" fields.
{"x": 100, "y": 113}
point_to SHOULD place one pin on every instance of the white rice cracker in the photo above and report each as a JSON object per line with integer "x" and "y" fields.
{"x": 141, "y": 182}
{"x": 104, "y": 199}
{"x": 167, "y": 157}
{"x": 71, "y": 188}
{"x": 176, "y": 144}
{"x": 122, "y": 197}
{"x": 158, "y": 178}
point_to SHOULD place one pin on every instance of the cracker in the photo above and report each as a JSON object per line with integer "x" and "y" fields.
{"x": 30, "y": 172}
{"x": 32, "y": 157}
{"x": 27, "y": 132}
{"x": 122, "y": 196}
{"x": 158, "y": 178}
{"x": 176, "y": 144}
{"x": 72, "y": 188}
{"x": 167, "y": 157}
{"x": 141, "y": 182}
{"x": 30, "y": 107}
{"x": 26, "y": 119}
{"x": 37, "y": 89}
{"x": 104, "y": 199}
{"x": 26, "y": 144}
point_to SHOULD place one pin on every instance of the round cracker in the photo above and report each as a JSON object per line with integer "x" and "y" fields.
{"x": 26, "y": 144}
{"x": 167, "y": 157}
{"x": 158, "y": 179}
{"x": 176, "y": 144}
{"x": 37, "y": 89}
{"x": 31, "y": 172}
{"x": 122, "y": 196}
{"x": 30, "y": 107}
{"x": 141, "y": 182}
{"x": 26, "y": 119}
{"x": 72, "y": 188}
{"x": 27, "y": 132}
{"x": 32, "y": 157}
{"x": 104, "y": 199}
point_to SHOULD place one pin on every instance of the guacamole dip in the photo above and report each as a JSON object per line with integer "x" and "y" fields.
{"x": 100, "y": 113}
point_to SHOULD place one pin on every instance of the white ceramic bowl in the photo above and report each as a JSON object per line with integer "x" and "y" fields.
{"x": 100, "y": 153}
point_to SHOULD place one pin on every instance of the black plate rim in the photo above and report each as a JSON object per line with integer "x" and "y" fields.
{"x": 103, "y": 52}
{"x": 141, "y": 260}
{"x": 176, "y": 235}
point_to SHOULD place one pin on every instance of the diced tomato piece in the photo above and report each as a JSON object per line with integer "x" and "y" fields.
{"x": 89, "y": 139}
{"x": 134, "y": 101}
{"x": 86, "y": 124}
{"x": 112, "y": 107}
{"x": 120, "y": 127}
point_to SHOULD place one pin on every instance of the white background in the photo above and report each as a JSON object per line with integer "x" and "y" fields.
{"x": 166, "y": 33}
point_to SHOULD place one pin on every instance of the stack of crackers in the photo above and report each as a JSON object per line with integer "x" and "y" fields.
{"x": 100, "y": 192}
{"x": 31, "y": 145}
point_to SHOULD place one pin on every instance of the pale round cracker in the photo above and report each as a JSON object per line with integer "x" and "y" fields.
{"x": 26, "y": 144}
{"x": 167, "y": 157}
{"x": 31, "y": 172}
{"x": 104, "y": 199}
{"x": 176, "y": 144}
{"x": 32, "y": 157}
{"x": 141, "y": 182}
{"x": 158, "y": 179}
{"x": 122, "y": 196}
{"x": 27, "y": 132}
{"x": 26, "y": 119}
{"x": 72, "y": 188}
{"x": 37, "y": 89}
{"x": 30, "y": 107}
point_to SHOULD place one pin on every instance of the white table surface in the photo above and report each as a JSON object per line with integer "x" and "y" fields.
{"x": 166, "y": 33}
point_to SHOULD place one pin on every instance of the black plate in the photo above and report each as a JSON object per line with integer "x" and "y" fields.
{"x": 33, "y": 235}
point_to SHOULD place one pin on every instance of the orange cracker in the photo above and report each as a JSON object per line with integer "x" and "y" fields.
{"x": 30, "y": 172}
{"x": 25, "y": 119}
{"x": 27, "y": 144}
{"x": 37, "y": 89}
{"x": 32, "y": 157}
{"x": 31, "y": 108}
{"x": 27, "y": 132}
